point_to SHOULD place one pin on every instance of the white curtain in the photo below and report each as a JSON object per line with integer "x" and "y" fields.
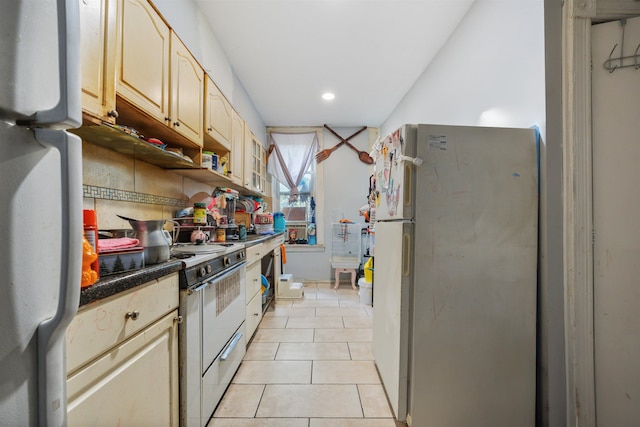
{"x": 291, "y": 156}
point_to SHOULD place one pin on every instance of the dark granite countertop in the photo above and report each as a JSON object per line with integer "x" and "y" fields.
{"x": 111, "y": 285}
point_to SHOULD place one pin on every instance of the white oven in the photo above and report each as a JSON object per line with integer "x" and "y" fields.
{"x": 211, "y": 336}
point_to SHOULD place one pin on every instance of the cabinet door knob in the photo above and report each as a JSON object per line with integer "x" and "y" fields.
{"x": 167, "y": 119}
{"x": 256, "y": 314}
{"x": 113, "y": 113}
{"x": 210, "y": 129}
{"x": 177, "y": 319}
{"x": 133, "y": 315}
{"x": 176, "y": 123}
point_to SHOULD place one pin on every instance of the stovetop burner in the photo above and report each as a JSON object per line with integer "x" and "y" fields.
{"x": 203, "y": 261}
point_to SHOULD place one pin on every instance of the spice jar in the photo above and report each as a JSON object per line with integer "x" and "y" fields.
{"x": 199, "y": 214}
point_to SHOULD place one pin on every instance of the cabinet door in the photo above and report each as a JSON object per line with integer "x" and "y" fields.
{"x": 134, "y": 384}
{"x": 98, "y": 58}
{"x": 187, "y": 92}
{"x": 277, "y": 265}
{"x": 98, "y": 327}
{"x": 237, "y": 149}
{"x": 218, "y": 115}
{"x": 253, "y": 281}
{"x": 247, "y": 172}
{"x": 143, "y": 58}
{"x": 254, "y": 163}
{"x": 253, "y": 315}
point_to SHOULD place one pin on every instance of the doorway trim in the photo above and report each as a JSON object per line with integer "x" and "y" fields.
{"x": 577, "y": 18}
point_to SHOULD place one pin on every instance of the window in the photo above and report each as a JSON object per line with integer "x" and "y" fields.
{"x": 298, "y": 205}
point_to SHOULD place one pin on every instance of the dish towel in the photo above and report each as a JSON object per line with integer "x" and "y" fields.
{"x": 118, "y": 243}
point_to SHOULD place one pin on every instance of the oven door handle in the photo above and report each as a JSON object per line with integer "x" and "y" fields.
{"x": 227, "y": 351}
{"x": 213, "y": 279}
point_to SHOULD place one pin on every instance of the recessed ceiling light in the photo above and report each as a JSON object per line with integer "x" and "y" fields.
{"x": 328, "y": 96}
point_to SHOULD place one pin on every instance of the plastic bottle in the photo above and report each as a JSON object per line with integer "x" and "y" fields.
{"x": 90, "y": 220}
{"x": 311, "y": 232}
{"x": 89, "y": 256}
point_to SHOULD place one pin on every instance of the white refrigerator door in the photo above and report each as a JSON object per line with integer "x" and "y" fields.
{"x": 474, "y": 298}
{"x": 391, "y": 289}
{"x": 40, "y": 204}
{"x": 394, "y": 174}
{"x": 40, "y": 67}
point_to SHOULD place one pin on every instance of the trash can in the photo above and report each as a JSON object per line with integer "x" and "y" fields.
{"x": 365, "y": 292}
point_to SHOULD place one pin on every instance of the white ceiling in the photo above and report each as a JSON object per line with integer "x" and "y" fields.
{"x": 369, "y": 53}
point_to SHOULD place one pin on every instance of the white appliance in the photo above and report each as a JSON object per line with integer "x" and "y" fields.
{"x": 211, "y": 335}
{"x": 40, "y": 206}
{"x": 454, "y": 310}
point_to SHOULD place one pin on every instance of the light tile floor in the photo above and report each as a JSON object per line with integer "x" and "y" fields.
{"x": 309, "y": 365}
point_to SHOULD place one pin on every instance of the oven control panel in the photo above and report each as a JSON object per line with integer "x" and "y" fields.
{"x": 195, "y": 275}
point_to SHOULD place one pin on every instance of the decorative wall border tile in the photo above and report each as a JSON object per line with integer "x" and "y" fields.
{"x": 94, "y": 192}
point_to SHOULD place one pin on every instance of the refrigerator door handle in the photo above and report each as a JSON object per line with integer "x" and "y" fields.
{"x": 408, "y": 185}
{"x": 415, "y": 160}
{"x": 406, "y": 254}
{"x": 51, "y": 332}
{"x": 67, "y": 113}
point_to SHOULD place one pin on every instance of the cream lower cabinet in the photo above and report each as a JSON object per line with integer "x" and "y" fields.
{"x": 122, "y": 359}
{"x": 253, "y": 294}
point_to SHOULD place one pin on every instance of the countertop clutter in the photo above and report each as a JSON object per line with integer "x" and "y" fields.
{"x": 113, "y": 284}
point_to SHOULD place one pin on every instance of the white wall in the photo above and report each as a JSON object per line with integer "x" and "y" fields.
{"x": 489, "y": 73}
{"x": 201, "y": 41}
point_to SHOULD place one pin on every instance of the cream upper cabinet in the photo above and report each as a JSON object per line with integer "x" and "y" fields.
{"x": 237, "y": 149}
{"x": 144, "y": 46}
{"x": 98, "y": 58}
{"x": 156, "y": 73}
{"x": 187, "y": 91}
{"x": 254, "y": 167}
{"x": 218, "y": 115}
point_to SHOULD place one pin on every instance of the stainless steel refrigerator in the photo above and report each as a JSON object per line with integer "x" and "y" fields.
{"x": 40, "y": 206}
{"x": 454, "y": 310}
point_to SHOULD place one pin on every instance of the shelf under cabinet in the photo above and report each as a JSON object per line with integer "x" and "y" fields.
{"x": 128, "y": 145}
{"x": 131, "y": 146}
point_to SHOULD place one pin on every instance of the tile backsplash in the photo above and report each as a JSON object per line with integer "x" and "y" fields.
{"x": 115, "y": 184}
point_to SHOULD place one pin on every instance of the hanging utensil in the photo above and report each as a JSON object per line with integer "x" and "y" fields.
{"x": 324, "y": 154}
{"x": 362, "y": 155}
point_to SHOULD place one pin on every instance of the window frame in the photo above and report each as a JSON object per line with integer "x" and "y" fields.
{"x": 318, "y": 189}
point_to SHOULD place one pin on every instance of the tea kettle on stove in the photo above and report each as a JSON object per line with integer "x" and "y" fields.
{"x": 155, "y": 240}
